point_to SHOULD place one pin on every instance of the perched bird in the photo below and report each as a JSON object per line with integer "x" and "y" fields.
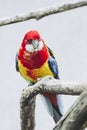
{"x": 35, "y": 60}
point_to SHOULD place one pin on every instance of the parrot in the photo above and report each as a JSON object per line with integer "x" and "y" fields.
{"x": 34, "y": 60}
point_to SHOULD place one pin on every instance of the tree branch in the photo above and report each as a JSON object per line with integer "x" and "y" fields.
{"x": 27, "y": 113}
{"x": 38, "y": 14}
{"x": 51, "y": 85}
{"x": 76, "y": 115}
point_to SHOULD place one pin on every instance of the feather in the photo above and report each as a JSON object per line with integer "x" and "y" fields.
{"x": 53, "y": 64}
{"x": 53, "y": 67}
{"x": 34, "y": 64}
{"x": 51, "y": 53}
{"x": 53, "y": 101}
{"x": 16, "y": 58}
{"x": 53, "y": 109}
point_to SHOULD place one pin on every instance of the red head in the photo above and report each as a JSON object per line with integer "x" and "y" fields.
{"x": 33, "y": 52}
{"x": 30, "y": 37}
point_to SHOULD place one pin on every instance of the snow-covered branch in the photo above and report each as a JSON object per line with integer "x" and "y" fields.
{"x": 49, "y": 84}
{"x": 38, "y": 14}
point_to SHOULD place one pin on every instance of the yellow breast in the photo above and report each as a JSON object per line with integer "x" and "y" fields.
{"x": 33, "y": 75}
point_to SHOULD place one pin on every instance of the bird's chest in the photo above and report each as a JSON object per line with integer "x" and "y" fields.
{"x": 33, "y": 74}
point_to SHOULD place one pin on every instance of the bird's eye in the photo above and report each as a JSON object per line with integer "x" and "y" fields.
{"x": 29, "y": 48}
{"x": 29, "y": 41}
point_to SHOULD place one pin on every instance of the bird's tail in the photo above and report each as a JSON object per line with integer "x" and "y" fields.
{"x": 56, "y": 114}
{"x": 54, "y": 106}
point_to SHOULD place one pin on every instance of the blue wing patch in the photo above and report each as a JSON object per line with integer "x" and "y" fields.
{"x": 54, "y": 67}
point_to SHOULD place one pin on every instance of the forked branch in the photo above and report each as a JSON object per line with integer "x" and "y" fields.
{"x": 71, "y": 119}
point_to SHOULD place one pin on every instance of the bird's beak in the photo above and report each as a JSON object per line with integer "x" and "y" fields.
{"x": 35, "y": 44}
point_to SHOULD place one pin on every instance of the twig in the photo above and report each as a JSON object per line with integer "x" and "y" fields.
{"x": 38, "y": 14}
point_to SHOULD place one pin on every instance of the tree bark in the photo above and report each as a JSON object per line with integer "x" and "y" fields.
{"x": 72, "y": 120}
{"x": 38, "y": 14}
{"x": 27, "y": 112}
{"x": 52, "y": 85}
{"x": 76, "y": 115}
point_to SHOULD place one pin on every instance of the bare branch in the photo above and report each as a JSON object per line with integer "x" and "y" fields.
{"x": 49, "y": 84}
{"x": 27, "y": 113}
{"x": 38, "y": 14}
{"x": 76, "y": 115}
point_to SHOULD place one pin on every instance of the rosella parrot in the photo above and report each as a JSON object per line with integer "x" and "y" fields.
{"x": 35, "y": 60}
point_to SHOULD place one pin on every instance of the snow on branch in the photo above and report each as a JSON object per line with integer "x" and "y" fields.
{"x": 51, "y": 85}
{"x": 38, "y": 14}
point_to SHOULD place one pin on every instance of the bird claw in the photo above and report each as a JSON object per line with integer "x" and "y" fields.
{"x": 30, "y": 84}
{"x": 39, "y": 79}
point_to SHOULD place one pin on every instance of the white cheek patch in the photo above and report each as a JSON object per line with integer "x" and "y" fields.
{"x": 30, "y": 48}
{"x": 40, "y": 45}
